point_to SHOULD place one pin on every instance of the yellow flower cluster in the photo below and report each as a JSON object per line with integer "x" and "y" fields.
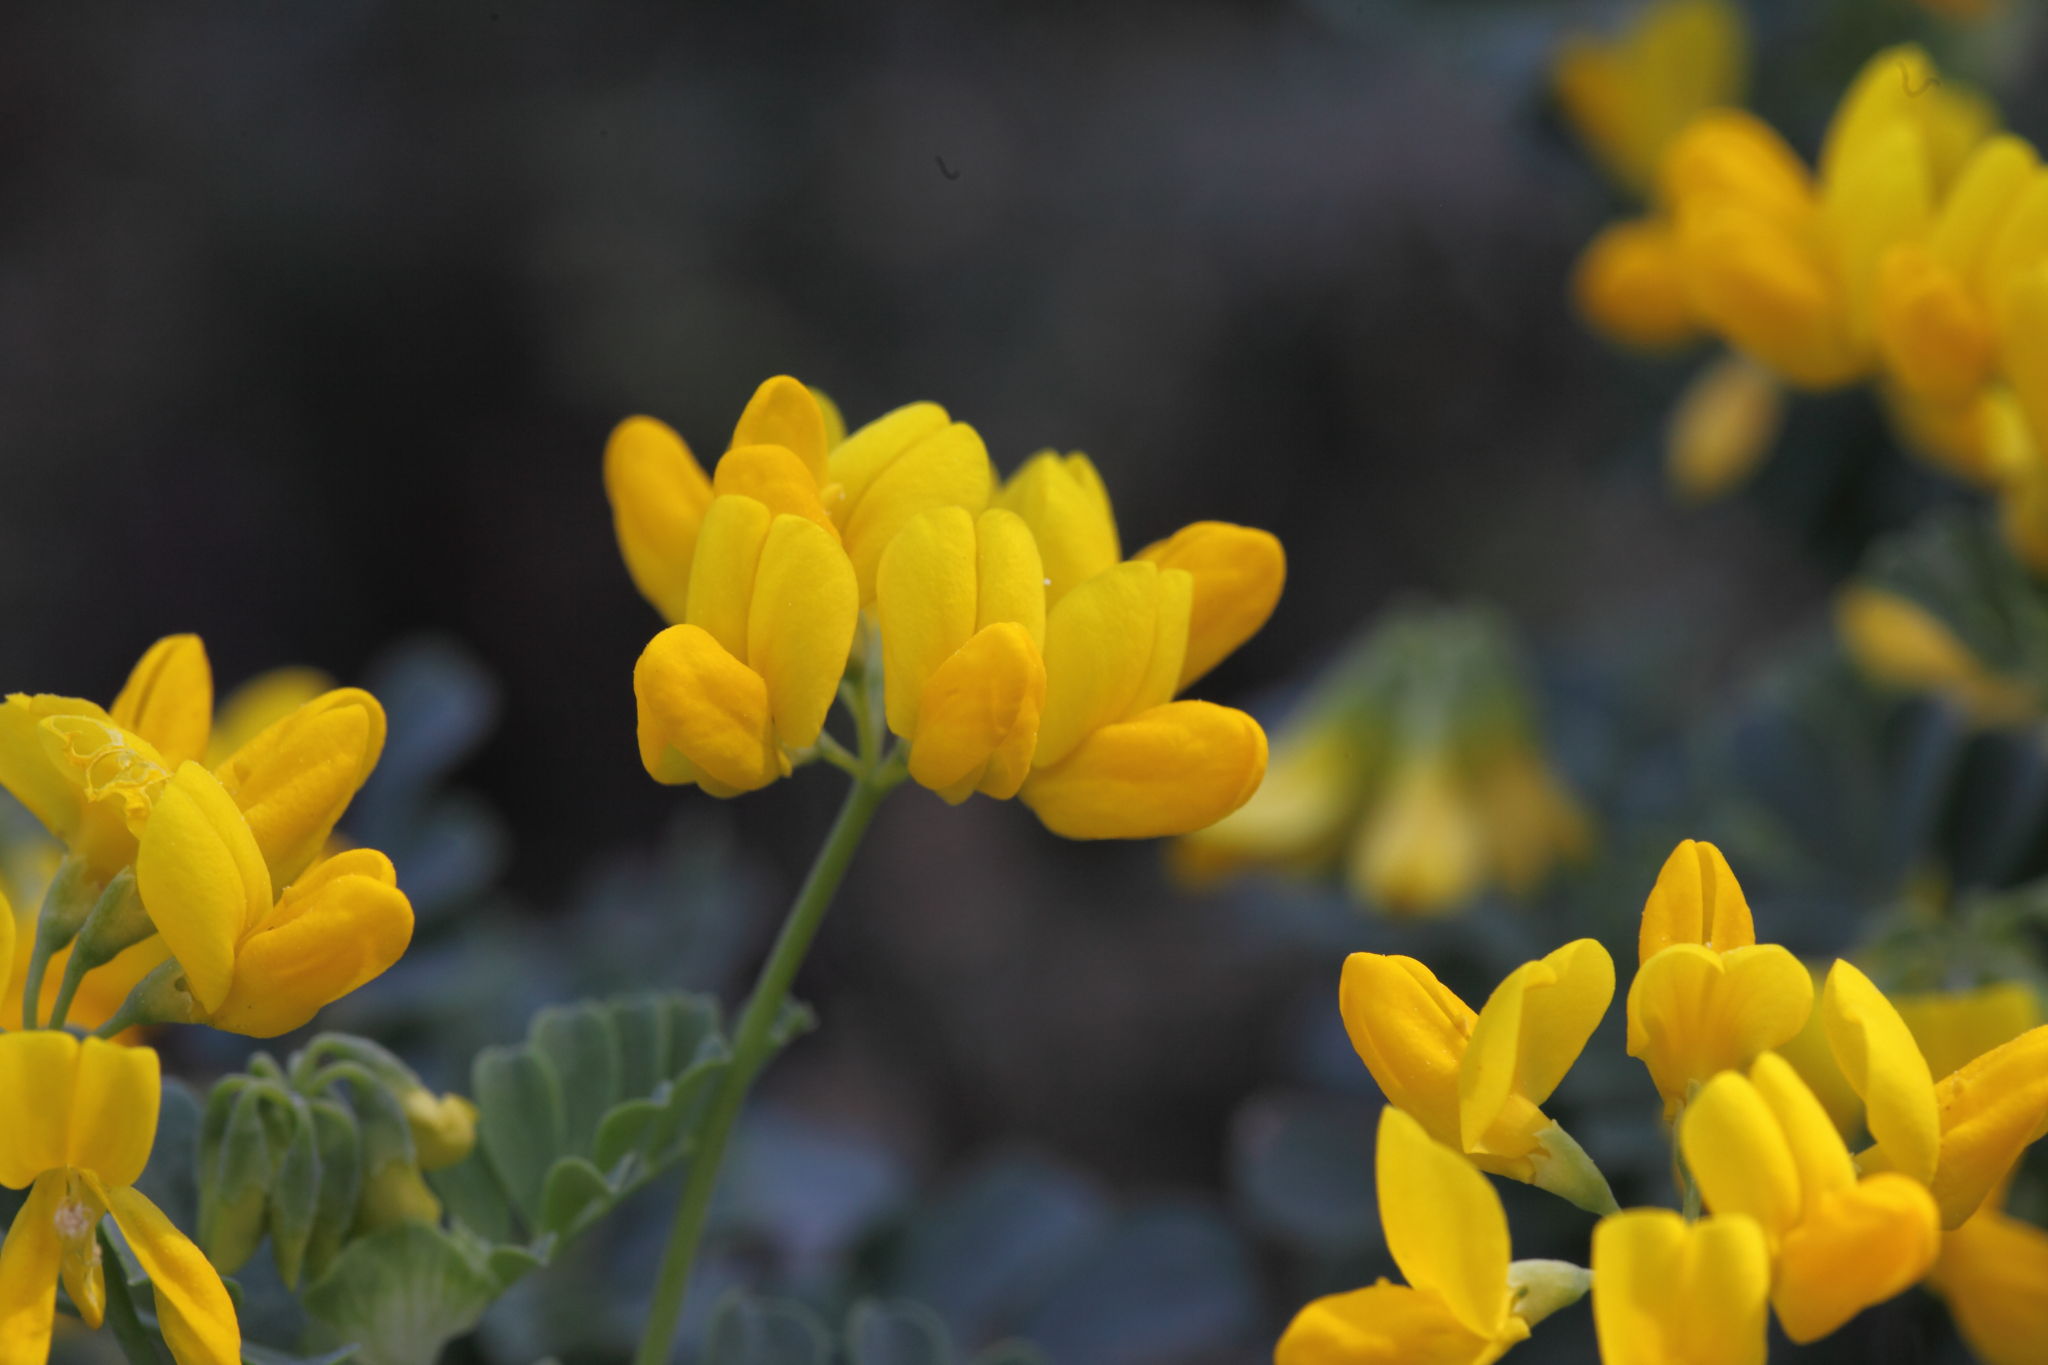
{"x": 196, "y": 885}
{"x": 1020, "y": 653}
{"x": 1415, "y": 768}
{"x": 1793, "y": 1222}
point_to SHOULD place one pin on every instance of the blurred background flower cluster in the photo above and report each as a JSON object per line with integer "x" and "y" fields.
{"x": 314, "y": 320}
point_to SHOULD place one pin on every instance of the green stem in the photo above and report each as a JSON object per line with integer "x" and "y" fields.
{"x": 751, "y": 1046}
{"x": 136, "y": 1341}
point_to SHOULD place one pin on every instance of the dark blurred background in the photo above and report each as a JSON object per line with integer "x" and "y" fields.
{"x": 313, "y": 319}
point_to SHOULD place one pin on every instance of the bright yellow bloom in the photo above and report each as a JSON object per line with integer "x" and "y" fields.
{"x": 1954, "y": 1028}
{"x": 1993, "y": 1274}
{"x": 1238, "y": 572}
{"x": 1465, "y": 1303}
{"x": 790, "y": 453}
{"x": 961, "y": 603}
{"x": 1722, "y": 428}
{"x": 1899, "y": 642}
{"x": 1670, "y": 1292}
{"x": 1959, "y": 1137}
{"x": 82, "y": 1119}
{"x": 260, "y": 703}
{"x": 1762, "y": 1146}
{"x": 1707, "y": 996}
{"x": 1064, "y": 502}
{"x": 1629, "y": 283}
{"x": 751, "y": 671}
{"x": 254, "y": 962}
{"x": 1477, "y": 1082}
{"x": 1300, "y": 817}
{"x": 1629, "y": 96}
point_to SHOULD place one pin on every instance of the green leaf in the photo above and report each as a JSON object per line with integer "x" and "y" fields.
{"x": 692, "y": 1021}
{"x": 683, "y": 1108}
{"x": 520, "y": 1124}
{"x": 896, "y": 1333}
{"x": 579, "y": 1043}
{"x": 641, "y": 1023}
{"x": 574, "y": 1186}
{"x": 399, "y": 1295}
{"x": 508, "y": 1264}
{"x": 749, "y": 1331}
{"x": 474, "y": 1197}
{"x": 624, "y": 1129}
{"x": 341, "y": 1182}
{"x": 295, "y": 1197}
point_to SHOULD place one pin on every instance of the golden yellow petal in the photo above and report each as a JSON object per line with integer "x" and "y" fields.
{"x": 168, "y": 698}
{"x": 658, "y": 494}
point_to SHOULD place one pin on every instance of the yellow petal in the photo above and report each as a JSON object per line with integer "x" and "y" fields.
{"x": 658, "y": 493}
{"x": 1113, "y": 648}
{"x": 776, "y": 479}
{"x": 1444, "y": 1224}
{"x": 1938, "y": 340}
{"x": 1693, "y": 1012}
{"x": 703, "y": 715}
{"x": 1064, "y": 503}
{"x": 1768, "y": 294}
{"x": 800, "y": 625}
{"x": 1166, "y": 771}
{"x": 1667, "y": 1292}
{"x": 1411, "y": 1031}
{"x": 1810, "y": 1056}
{"x": 1297, "y": 819}
{"x": 118, "y": 776}
{"x": 835, "y": 423}
{"x": 113, "y": 1110}
{"x": 192, "y": 1305}
{"x": 2023, "y": 325}
{"x": 784, "y": 413}
{"x": 978, "y": 717}
{"x": 2020, "y": 240}
{"x": 1723, "y": 427}
{"x": 1899, "y": 642}
{"x": 1422, "y": 849}
{"x": 1628, "y": 97}
{"x": 1856, "y": 1247}
{"x": 1739, "y": 1156}
{"x": 1954, "y": 1028}
{"x": 1732, "y": 156}
{"x": 1383, "y": 1324}
{"x": 1237, "y": 574}
{"x": 202, "y": 879}
{"x": 27, "y": 770}
{"x": 28, "y": 1275}
{"x": 339, "y": 926}
{"x": 1877, "y": 1053}
{"x": 1629, "y": 285}
{"x": 260, "y": 703}
{"x": 1816, "y": 1146}
{"x": 1876, "y": 199}
{"x": 925, "y": 597}
{"x": 1986, "y": 190}
{"x": 858, "y": 460}
{"x": 39, "y": 1075}
{"x": 7, "y": 936}
{"x": 168, "y": 698}
{"x": 1993, "y": 1273}
{"x": 722, "y": 575}
{"x": 1990, "y": 1110}
{"x": 1529, "y": 1032}
{"x": 295, "y": 779}
{"x": 947, "y": 468}
{"x": 1696, "y": 900}
{"x": 1010, "y": 574}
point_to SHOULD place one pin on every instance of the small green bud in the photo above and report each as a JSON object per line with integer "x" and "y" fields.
{"x": 235, "y": 1191}
{"x": 1540, "y": 1288}
{"x": 295, "y": 1196}
{"x": 341, "y": 1183}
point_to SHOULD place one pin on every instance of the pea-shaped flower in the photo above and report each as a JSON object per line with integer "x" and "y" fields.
{"x": 961, "y": 602}
{"x": 1761, "y": 1145}
{"x": 1477, "y": 1082}
{"x": 81, "y": 1121}
{"x": 1707, "y": 998}
{"x": 1671, "y": 1292}
{"x": 752, "y": 669}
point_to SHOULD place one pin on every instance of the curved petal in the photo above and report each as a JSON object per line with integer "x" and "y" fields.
{"x": 1422, "y": 850}
{"x": 776, "y": 479}
{"x": 784, "y": 413}
{"x": 1382, "y": 1324}
{"x": 948, "y": 468}
{"x": 38, "y": 1077}
{"x": 1723, "y": 427}
{"x": 1009, "y": 574}
{"x": 1064, "y": 503}
{"x": 1954, "y": 1028}
{"x": 1731, "y": 155}
{"x": 1811, "y": 1137}
{"x": 857, "y": 461}
{"x": 1761, "y": 287}
{"x": 2023, "y": 325}
{"x": 260, "y": 703}
{"x": 26, "y": 768}
{"x": 1411, "y": 1032}
{"x": 1993, "y": 1274}
{"x": 113, "y": 1110}
{"x": 1529, "y": 1032}
{"x": 1629, "y": 285}
{"x": 340, "y": 926}
{"x": 1444, "y": 1224}
{"x": 1696, "y": 900}
{"x": 800, "y": 625}
{"x": 1856, "y": 1247}
{"x": 659, "y": 494}
{"x": 925, "y": 602}
{"x": 117, "y": 774}
{"x": 722, "y": 575}
{"x": 1666, "y": 1290}
{"x": 703, "y": 715}
{"x": 1739, "y": 1156}
{"x": 1170, "y": 770}
{"x": 1977, "y": 205}
{"x": 1883, "y": 1064}
{"x": 295, "y": 779}
{"x": 28, "y": 1275}
{"x": 1938, "y": 339}
{"x": 202, "y": 879}
{"x": 978, "y": 718}
{"x": 1990, "y": 1109}
{"x": 168, "y": 698}
{"x": 192, "y": 1305}
{"x": 1693, "y": 1012}
{"x": 1113, "y": 647}
{"x": 1238, "y": 572}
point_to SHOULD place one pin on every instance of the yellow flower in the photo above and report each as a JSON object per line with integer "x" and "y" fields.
{"x": 752, "y": 669}
{"x": 1064, "y": 502}
{"x": 1670, "y": 1292}
{"x": 1899, "y": 642}
{"x": 961, "y": 603}
{"x": 1300, "y": 816}
{"x": 1424, "y": 847}
{"x": 1629, "y": 96}
{"x": 1707, "y": 997}
{"x": 253, "y": 962}
{"x": 789, "y": 452}
{"x": 1993, "y": 1274}
{"x": 1465, "y": 1303}
{"x": 82, "y": 1121}
{"x": 1476, "y": 1082}
{"x": 258, "y": 704}
{"x": 1762, "y": 1146}
{"x": 1960, "y": 1137}
{"x": 1722, "y": 428}
{"x": 1954, "y": 1028}
{"x": 1629, "y": 283}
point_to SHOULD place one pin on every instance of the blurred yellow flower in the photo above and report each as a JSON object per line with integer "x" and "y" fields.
{"x": 1993, "y": 1275}
{"x": 82, "y": 1121}
{"x": 1899, "y": 642}
{"x": 1723, "y": 427}
{"x": 1667, "y": 1291}
{"x": 1628, "y": 96}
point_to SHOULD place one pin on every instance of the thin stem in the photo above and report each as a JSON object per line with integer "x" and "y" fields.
{"x": 751, "y": 1045}
{"x": 136, "y": 1341}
